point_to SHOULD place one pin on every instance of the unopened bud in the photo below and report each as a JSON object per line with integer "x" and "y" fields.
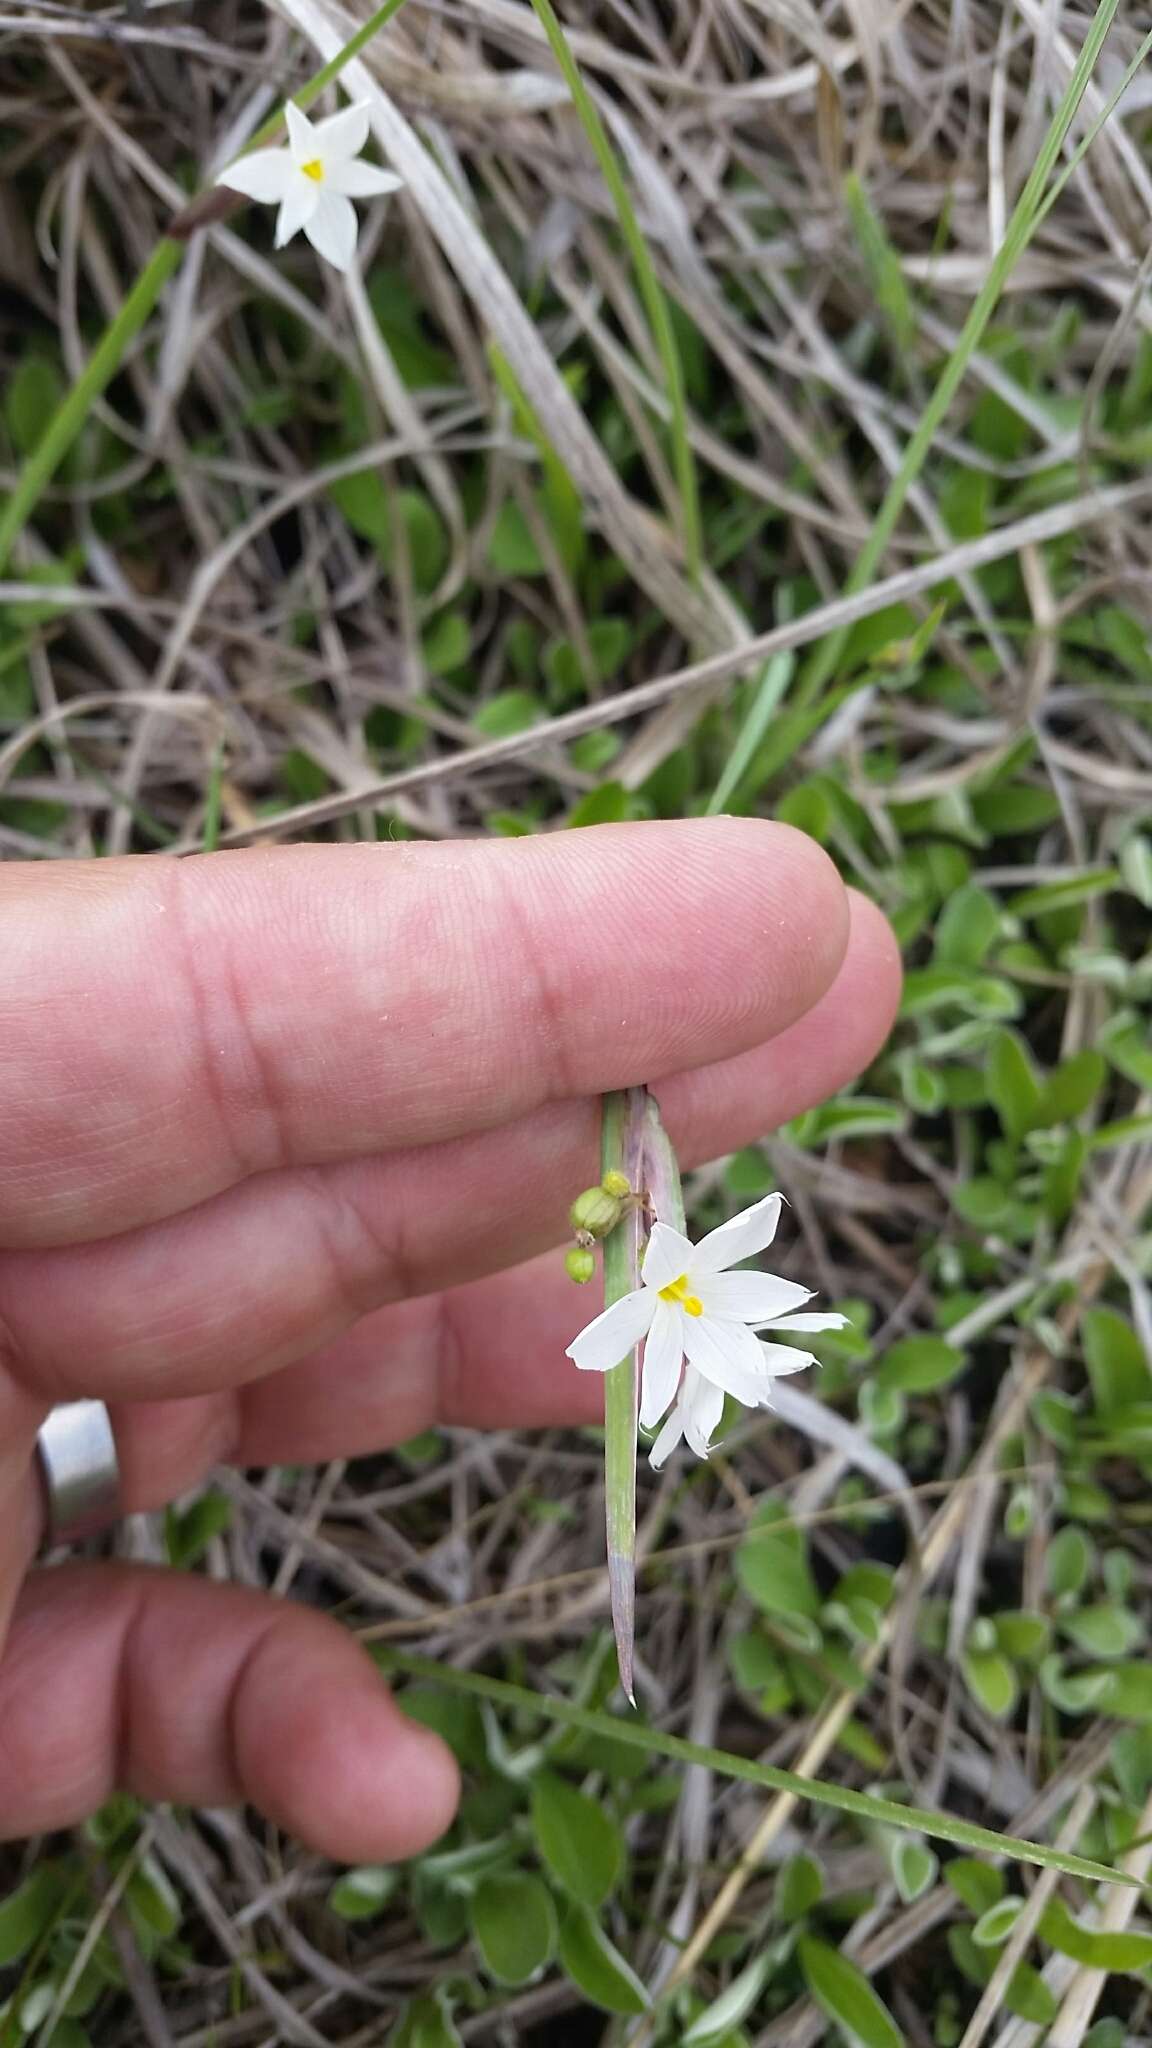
{"x": 580, "y": 1264}
{"x": 616, "y": 1184}
{"x": 594, "y": 1213}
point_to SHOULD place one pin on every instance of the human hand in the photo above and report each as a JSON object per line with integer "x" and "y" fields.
{"x": 273, "y": 1128}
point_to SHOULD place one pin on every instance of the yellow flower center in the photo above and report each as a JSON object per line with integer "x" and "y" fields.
{"x": 677, "y": 1291}
{"x": 314, "y": 170}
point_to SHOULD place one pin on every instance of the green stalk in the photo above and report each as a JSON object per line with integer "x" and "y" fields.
{"x": 109, "y": 352}
{"x": 75, "y": 406}
{"x": 622, "y": 1151}
{"x": 942, "y": 1827}
{"x": 1025, "y": 215}
{"x": 651, "y": 291}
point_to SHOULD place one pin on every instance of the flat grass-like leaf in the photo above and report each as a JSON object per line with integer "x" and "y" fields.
{"x": 941, "y": 1827}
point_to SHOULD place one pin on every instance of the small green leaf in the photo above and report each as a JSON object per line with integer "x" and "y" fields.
{"x": 581, "y": 1843}
{"x": 992, "y": 1681}
{"x": 967, "y": 926}
{"x": 508, "y": 712}
{"x": 425, "y": 2024}
{"x": 446, "y": 644}
{"x": 714, "y": 2026}
{"x": 1104, "y": 1630}
{"x": 914, "y": 1867}
{"x": 772, "y": 1567}
{"x": 1136, "y": 867}
{"x": 512, "y": 551}
{"x": 994, "y": 1926}
{"x": 35, "y": 389}
{"x": 1069, "y": 1561}
{"x": 1099, "y": 1951}
{"x": 1028, "y": 1996}
{"x": 29, "y": 1912}
{"x": 799, "y": 1887}
{"x": 514, "y": 1925}
{"x": 597, "y": 1967}
{"x": 1013, "y": 1084}
{"x": 153, "y": 1899}
{"x": 844, "y": 1993}
{"x": 1117, "y": 1365}
{"x": 362, "y": 1893}
{"x": 1071, "y": 1089}
{"x": 1023, "y": 1637}
{"x": 608, "y": 805}
{"x": 979, "y": 1885}
{"x": 918, "y": 1365}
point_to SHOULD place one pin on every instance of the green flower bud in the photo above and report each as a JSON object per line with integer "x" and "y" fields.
{"x": 616, "y": 1184}
{"x": 594, "y": 1213}
{"x": 580, "y": 1264}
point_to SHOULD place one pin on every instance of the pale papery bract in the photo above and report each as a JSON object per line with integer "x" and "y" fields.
{"x": 315, "y": 180}
{"x": 698, "y": 1320}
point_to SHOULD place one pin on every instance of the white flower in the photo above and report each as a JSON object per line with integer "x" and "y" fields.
{"x": 698, "y": 1321}
{"x": 315, "y": 180}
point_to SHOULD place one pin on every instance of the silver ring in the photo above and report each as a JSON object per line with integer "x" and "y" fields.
{"x": 80, "y": 1471}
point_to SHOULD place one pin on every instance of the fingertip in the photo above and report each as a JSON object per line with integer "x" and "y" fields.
{"x": 876, "y": 960}
{"x": 325, "y": 1751}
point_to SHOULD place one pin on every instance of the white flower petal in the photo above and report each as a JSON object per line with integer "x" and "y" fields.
{"x": 360, "y": 181}
{"x": 750, "y": 1232}
{"x": 667, "y": 1258}
{"x": 614, "y": 1333}
{"x": 344, "y": 134}
{"x": 301, "y": 134}
{"x": 748, "y": 1297}
{"x": 782, "y": 1358}
{"x": 263, "y": 175}
{"x": 332, "y": 230}
{"x": 704, "y": 1406}
{"x": 299, "y": 204}
{"x": 663, "y": 1357}
{"x": 807, "y": 1323}
{"x": 727, "y": 1354}
{"x": 668, "y": 1438}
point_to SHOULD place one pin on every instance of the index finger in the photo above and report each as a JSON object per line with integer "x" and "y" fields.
{"x": 168, "y": 1029}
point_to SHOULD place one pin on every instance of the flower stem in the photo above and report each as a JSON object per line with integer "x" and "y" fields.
{"x": 622, "y": 1134}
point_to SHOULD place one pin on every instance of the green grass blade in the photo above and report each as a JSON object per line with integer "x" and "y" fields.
{"x": 621, "y": 1151}
{"x": 1018, "y": 233}
{"x": 774, "y": 680}
{"x": 942, "y": 1827}
{"x": 210, "y": 837}
{"x": 77, "y": 403}
{"x": 651, "y": 291}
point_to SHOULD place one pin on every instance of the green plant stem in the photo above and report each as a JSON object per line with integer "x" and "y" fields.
{"x": 109, "y": 353}
{"x": 942, "y": 1827}
{"x": 651, "y": 290}
{"x": 622, "y": 1151}
{"x": 1022, "y": 225}
{"x": 74, "y": 407}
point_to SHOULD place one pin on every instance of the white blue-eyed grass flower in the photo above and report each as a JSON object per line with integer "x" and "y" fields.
{"x": 315, "y": 180}
{"x": 698, "y": 1320}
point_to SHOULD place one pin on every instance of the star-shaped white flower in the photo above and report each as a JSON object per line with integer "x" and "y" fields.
{"x": 315, "y": 180}
{"x": 698, "y": 1321}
